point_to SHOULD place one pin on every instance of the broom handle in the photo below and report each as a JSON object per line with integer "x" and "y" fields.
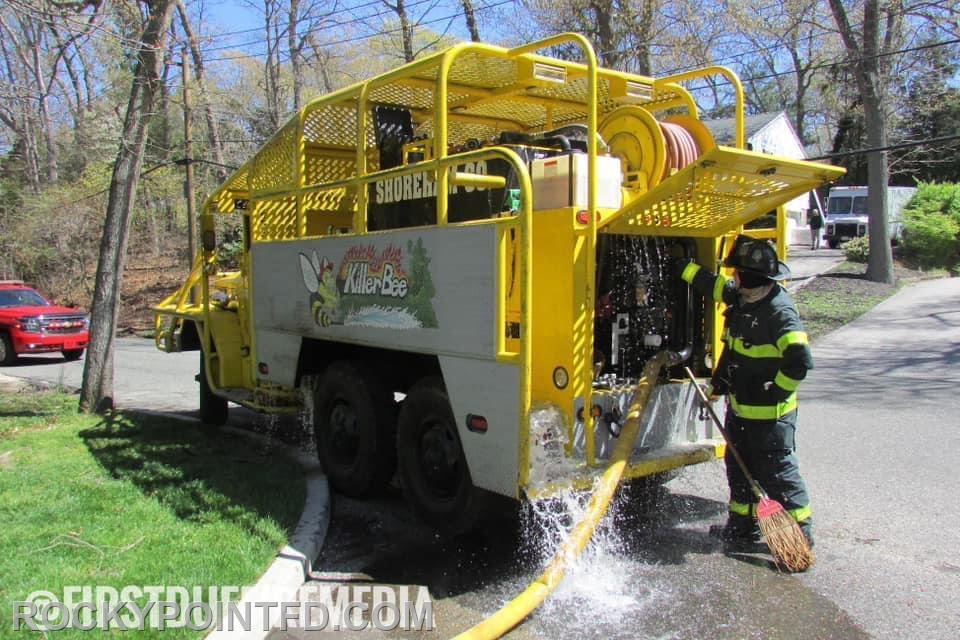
{"x": 726, "y": 436}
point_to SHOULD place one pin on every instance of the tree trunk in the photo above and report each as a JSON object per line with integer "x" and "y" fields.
{"x": 867, "y": 69}
{"x": 271, "y": 68}
{"x": 43, "y": 86}
{"x": 648, "y": 14}
{"x": 880, "y": 264}
{"x": 471, "y": 18}
{"x": 96, "y": 393}
{"x": 322, "y": 58}
{"x": 213, "y": 128}
{"x": 406, "y": 31}
{"x": 293, "y": 18}
{"x": 163, "y": 110}
{"x": 607, "y": 42}
{"x": 33, "y": 155}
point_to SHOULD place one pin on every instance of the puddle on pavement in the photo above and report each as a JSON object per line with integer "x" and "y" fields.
{"x": 651, "y": 572}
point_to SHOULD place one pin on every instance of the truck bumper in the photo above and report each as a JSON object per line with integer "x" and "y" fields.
{"x": 46, "y": 343}
{"x": 644, "y": 465}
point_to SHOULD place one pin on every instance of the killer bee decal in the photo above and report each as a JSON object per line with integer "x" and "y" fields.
{"x": 385, "y": 287}
{"x": 320, "y": 281}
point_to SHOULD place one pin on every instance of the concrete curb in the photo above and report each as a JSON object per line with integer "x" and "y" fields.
{"x": 282, "y": 580}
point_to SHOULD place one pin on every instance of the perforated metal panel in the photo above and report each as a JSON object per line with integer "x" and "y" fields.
{"x": 331, "y": 200}
{"x": 328, "y": 165}
{"x": 275, "y": 165}
{"x": 663, "y": 95}
{"x": 487, "y": 96}
{"x": 333, "y": 124}
{"x": 274, "y": 219}
{"x": 724, "y": 189}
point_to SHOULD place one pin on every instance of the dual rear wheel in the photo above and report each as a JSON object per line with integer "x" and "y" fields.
{"x": 362, "y": 439}
{"x": 433, "y": 468}
{"x": 352, "y": 423}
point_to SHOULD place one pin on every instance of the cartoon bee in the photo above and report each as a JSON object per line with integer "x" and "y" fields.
{"x": 321, "y": 281}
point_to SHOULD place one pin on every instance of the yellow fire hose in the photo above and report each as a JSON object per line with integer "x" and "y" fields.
{"x": 512, "y": 613}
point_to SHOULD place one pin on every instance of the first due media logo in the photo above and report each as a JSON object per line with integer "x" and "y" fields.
{"x": 318, "y": 607}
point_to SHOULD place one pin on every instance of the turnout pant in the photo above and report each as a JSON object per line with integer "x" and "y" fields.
{"x": 769, "y": 450}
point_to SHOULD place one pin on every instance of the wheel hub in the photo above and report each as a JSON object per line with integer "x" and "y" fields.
{"x": 344, "y": 431}
{"x": 439, "y": 459}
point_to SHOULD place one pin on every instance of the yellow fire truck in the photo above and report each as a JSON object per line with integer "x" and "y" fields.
{"x": 459, "y": 268}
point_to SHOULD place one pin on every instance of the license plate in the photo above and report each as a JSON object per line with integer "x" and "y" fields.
{"x": 842, "y": 238}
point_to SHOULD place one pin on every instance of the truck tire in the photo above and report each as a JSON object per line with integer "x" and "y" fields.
{"x": 72, "y": 354}
{"x": 833, "y": 244}
{"x": 432, "y": 466}
{"x": 7, "y": 355}
{"x": 213, "y": 408}
{"x": 353, "y": 425}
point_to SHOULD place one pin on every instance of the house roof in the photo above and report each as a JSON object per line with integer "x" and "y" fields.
{"x": 723, "y": 129}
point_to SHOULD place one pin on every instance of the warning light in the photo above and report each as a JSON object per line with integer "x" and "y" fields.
{"x": 476, "y": 424}
{"x": 583, "y": 216}
{"x": 560, "y": 378}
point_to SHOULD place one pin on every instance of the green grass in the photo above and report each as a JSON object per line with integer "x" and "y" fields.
{"x": 132, "y": 500}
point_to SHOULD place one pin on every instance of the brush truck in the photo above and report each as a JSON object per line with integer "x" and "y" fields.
{"x": 458, "y": 269}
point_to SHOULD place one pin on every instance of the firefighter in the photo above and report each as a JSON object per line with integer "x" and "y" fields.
{"x": 765, "y": 357}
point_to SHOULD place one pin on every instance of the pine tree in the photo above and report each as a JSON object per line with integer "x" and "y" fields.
{"x": 421, "y": 292}
{"x": 932, "y": 110}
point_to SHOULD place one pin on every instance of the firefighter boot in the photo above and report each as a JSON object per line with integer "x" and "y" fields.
{"x": 741, "y": 533}
{"x": 807, "y": 528}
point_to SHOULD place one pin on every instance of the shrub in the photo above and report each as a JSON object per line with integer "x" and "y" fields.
{"x": 858, "y": 249}
{"x": 931, "y": 226}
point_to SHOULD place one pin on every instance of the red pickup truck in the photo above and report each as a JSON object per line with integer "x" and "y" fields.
{"x": 29, "y": 323}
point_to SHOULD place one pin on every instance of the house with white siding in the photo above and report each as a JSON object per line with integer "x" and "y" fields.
{"x": 772, "y": 133}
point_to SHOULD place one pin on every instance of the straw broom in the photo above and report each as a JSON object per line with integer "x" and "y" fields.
{"x": 788, "y": 545}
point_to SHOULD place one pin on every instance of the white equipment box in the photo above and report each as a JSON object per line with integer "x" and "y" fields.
{"x": 561, "y": 181}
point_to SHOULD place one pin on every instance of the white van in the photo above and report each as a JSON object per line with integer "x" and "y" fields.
{"x": 848, "y": 216}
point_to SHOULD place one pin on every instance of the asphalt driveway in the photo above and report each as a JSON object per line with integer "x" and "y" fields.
{"x": 878, "y": 419}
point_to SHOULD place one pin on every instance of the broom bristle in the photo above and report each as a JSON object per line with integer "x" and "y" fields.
{"x": 787, "y": 543}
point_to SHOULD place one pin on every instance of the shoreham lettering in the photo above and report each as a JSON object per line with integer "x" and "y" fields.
{"x": 416, "y": 186}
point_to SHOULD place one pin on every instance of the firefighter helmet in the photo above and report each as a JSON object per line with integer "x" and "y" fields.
{"x": 758, "y": 257}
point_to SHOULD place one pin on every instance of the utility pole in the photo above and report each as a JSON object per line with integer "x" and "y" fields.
{"x": 188, "y": 159}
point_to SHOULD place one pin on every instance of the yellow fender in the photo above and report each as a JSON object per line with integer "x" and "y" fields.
{"x": 512, "y": 613}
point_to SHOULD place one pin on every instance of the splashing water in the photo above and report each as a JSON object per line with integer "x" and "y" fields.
{"x": 602, "y": 584}
{"x": 548, "y": 441}
{"x": 308, "y": 442}
{"x": 601, "y": 588}
{"x": 269, "y": 425}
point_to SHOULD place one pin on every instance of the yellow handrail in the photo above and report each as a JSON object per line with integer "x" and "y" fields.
{"x": 740, "y": 139}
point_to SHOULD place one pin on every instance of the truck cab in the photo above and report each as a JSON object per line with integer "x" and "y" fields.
{"x": 846, "y": 215}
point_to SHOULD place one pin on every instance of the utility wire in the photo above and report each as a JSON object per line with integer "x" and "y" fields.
{"x": 741, "y": 54}
{"x": 325, "y": 24}
{"x": 285, "y": 25}
{"x": 846, "y": 61}
{"x": 889, "y": 147}
{"x": 375, "y": 34}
